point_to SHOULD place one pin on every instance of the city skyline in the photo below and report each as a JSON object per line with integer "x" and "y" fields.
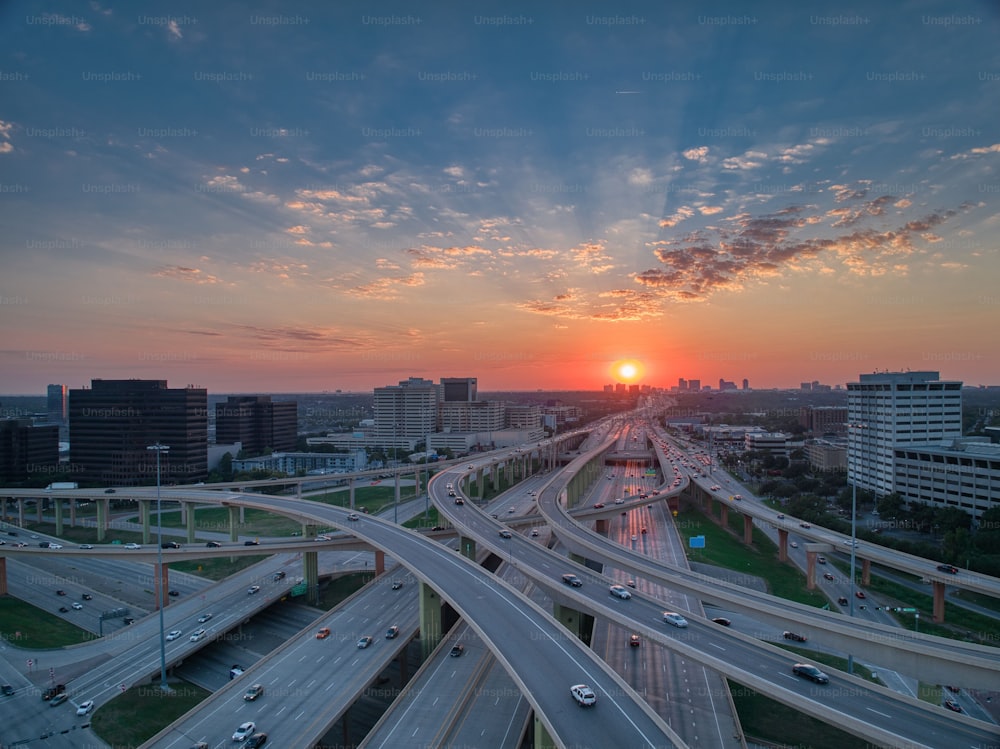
{"x": 338, "y": 198}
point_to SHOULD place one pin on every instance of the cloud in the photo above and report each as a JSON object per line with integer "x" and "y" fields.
{"x": 386, "y": 288}
{"x": 427, "y": 256}
{"x": 679, "y": 215}
{"x": 749, "y": 160}
{"x": 183, "y": 273}
{"x": 6, "y": 147}
{"x": 174, "y": 30}
{"x": 709, "y": 210}
{"x": 995, "y": 148}
{"x": 699, "y": 154}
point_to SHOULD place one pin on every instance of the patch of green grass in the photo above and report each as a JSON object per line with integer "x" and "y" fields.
{"x": 770, "y": 720}
{"x": 25, "y": 626}
{"x": 724, "y": 548}
{"x": 339, "y": 588}
{"x": 929, "y": 692}
{"x": 217, "y": 568}
{"x": 141, "y": 712}
{"x": 432, "y": 519}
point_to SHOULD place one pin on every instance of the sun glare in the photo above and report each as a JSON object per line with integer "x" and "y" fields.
{"x": 628, "y": 370}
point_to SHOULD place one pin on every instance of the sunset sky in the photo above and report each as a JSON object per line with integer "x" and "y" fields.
{"x": 305, "y": 196}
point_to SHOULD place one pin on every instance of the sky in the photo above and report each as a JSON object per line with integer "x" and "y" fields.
{"x": 310, "y": 196}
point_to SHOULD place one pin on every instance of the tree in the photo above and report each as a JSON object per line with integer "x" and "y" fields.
{"x": 890, "y": 506}
{"x": 225, "y": 468}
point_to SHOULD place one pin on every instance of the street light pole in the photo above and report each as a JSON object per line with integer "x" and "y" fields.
{"x": 854, "y": 541}
{"x": 159, "y": 449}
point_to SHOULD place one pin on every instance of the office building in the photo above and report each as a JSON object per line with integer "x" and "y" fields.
{"x": 887, "y": 411}
{"x": 113, "y": 422}
{"x": 28, "y": 451}
{"x": 682, "y": 384}
{"x": 458, "y": 389}
{"x": 406, "y": 413}
{"x": 962, "y": 473}
{"x": 694, "y": 386}
{"x": 824, "y": 419}
{"x": 58, "y": 403}
{"x": 258, "y": 423}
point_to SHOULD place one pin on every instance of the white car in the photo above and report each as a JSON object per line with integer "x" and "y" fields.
{"x": 55, "y": 546}
{"x": 244, "y": 731}
{"x": 77, "y": 605}
{"x": 620, "y": 591}
{"x": 173, "y": 635}
{"x": 132, "y": 546}
{"x": 253, "y": 589}
{"x": 619, "y": 501}
{"x": 583, "y": 694}
{"x": 197, "y": 635}
{"x": 85, "y": 707}
{"x": 676, "y": 619}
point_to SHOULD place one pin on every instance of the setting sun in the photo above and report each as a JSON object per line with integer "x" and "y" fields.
{"x": 627, "y": 371}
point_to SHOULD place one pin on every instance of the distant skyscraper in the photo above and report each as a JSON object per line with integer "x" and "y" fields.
{"x": 113, "y": 422}
{"x": 896, "y": 409}
{"x": 682, "y": 384}
{"x": 58, "y": 403}
{"x": 746, "y": 384}
{"x": 258, "y": 423}
{"x": 694, "y": 386}
{"x": 406, "y": 413}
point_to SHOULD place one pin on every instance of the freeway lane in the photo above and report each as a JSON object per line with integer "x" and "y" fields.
{"x": 531, "y": 645}
{"x": 848, "y": 702}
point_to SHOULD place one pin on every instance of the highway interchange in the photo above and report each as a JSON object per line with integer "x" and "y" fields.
{"x": 542, "y": 660}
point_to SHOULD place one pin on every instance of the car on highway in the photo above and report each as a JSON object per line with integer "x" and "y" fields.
{"x": 132, "y": 545}
{"x": 781, "y": 516}
{"x": 397, "y": 584}
{"x": 534, "y": 532}
{"x": 60, "y": 592}
{"x": 860, "y": 594}
{"x": 716, "y": 488}
{"x": 583, "y": 695}
{"x": 505, "y": 534}
{"x": 170, "y": 545}
{"x": 827, "y": 576}
{"x": 821, "y": 560}
{"x": 634, "y": 641}
{"x": 598, "y": 505}
{"x": 572, "y": 580}
{"x": 58, "y": 699}
{"x": 365, "y": 641}
{"x": 459, "y": 501}
{"x": 244, "y": 731}
{"x": 51, "y": 692}
{"x": 198, "y": 634}
{"x": 804, "y": 525}
{"x": 204, "y": 618}
{"x": 251, "y": 542}
{"x": 392, "y": 633}
{"x": 254, "y": 692}
{"x": 253, "y": 589}
{"x": 76, "y": 605}
{"x": 794, "y": 544}
{"x": 323, "y": 633}
{"x": 619, "y": 501}
{"x": 86, "y": 597}
{"x": 63, "y": 610}
{"x": 255, "y": 741}
{"x": 630, "y": 583}
{"x": 843, "y": 601}
{"x": 722, "y": 620}
{"x": 213, "y": 545}
{"x": 85, "y": 707}
{"x": 53, "y": 545}
{"x": 279, "y": 575}
{"x": 738, "y": 497}
{"x": 809, "y": 671}
{"x": 457, "y": 650}
{"x": 173, "y": 593}
{"x": 8, "y": 690}
{"x": 352, "y": 517}
{"x": 671, "y": 617}
{"x": 949, "y": 568}
{"x": 470, "y": 466}
{"x": 173, "y": 635}
{"x": 953, "y": 706}
{"x": 793, "y": 636}
{"x": 86, "y": 546}
{"x": 620, "y": 591}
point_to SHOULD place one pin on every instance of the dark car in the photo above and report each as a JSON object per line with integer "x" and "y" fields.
{"x": 810, "y": 672}
{"x": 251, "y": 543}
{"x": 213, "y": 545}
{"x": 280, "y": 575}
{"x": 397, "y": 584}
{"x": 793, "y": 636}
{"x": 86, "y": 597}
{"x": 128, "y": 620}
{"x": 722, "y": 620}
{"x": 457, "y": 650}
{"x": 256, "y": 740}
{"x": 573, "y": 580}
{"x": 634, "y": 641}
{"x": 953, "y": 706}
{"x": 842, "y": 600}
{"x": 109, "y": 491}
{"x": 51, "y": 692}
{"x": 173, "y": 593}
{"x": 63, "y": 610}
{"x": 859, "y": 593}
{"x": 392, "y": 633}
{"x": 60, "y": 592}
{"x": 170, "y": 545}
{"x": 7, "y": 689}
{"x": 949, "y": 568}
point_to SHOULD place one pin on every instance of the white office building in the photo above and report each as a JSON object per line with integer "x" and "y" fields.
{"x": 406, "y": 413}
{"x": 887, "y": 411}
{"x": 962, "y": 473}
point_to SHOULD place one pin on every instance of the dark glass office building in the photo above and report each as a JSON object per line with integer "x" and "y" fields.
{"x": 112, "y": 423}
{"x": 257, "y": 422}
{"x": 27, "y": 451}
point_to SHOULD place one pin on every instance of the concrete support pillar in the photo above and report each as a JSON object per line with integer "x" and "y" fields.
{"x": 20, "y": 513}
{"x": 3, "y": 576}
{"x": 480, "y": 484}
{"x": 938, "y": 589}
{"x": 189, "y": 509}
{"x": 601, "y": 526}
{"x": 430, "y": 619}
{"x": 543, "y": 740}
{"x": 747, "y": 530}
{"x": 866, "y": 572}
{"x": 416, "y": 483}
{"x": 59, "y": 517}
{"x": 350, "y": 492}
{"x": 144, "y": 507}
{"x": 309, "y": 530}
{"x": 72, "y": 513}
{"x": 234, "y": 523}
{"x": 570, "y": 618}
{"x": 379, "y": 561}
{"x": 161, "y": 584}
{"x": 782, "y": 545}
{"x": 723, "y": 515}
{"x": 396, "y": 494}
{"x": 467, "y": 547}
{"x": 102, "y": 519}
{"x": 810, "y": 570}
{"x": 310, "y": 573}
